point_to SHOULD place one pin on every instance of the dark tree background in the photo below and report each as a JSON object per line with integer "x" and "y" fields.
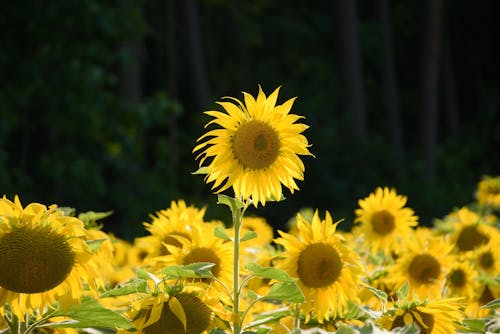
{"x": 102, "y": 101}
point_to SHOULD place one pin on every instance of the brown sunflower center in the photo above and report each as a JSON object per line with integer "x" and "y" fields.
{"x": 424, "y": 321}
{"x": 198, "y": 317}
{"x": 383, "y": 222}
{"x": 256, "y": 144}
{"x": 424, "y": 269}
{"x": 319, "y": 265}
{"x": 486, "y": 260}
{"x": 457, "y": 278}
{"x": 34, "y": 260}
{"x": 486, "y": 296}
{"x": 470, "y": 237}
{"x": 204, "y": 254}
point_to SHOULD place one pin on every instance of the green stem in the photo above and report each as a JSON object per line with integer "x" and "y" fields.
{"x": 296, "y": 320}
{"x": 237, "y": 215}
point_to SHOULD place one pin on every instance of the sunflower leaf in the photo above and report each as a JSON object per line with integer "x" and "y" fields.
{"x": 220, "y": 232}
{"x": 475, "y": 325}
{"x": 192, "y": 270}
{"x": 492, "y": 304}
{"x": 231, "y": 202}
{"x": 95, "y": 244}
{"x": 89, "y": 313}
{"x": 269, "y": 317}
{"x": 202, "y": 170}
{"x": 285, "y": 291}
{"x": 403, "y": 291}
{"x": 249, "y": 235}
{"x": 378, "y": 293}
{"x": 132, "y": 286}
{"x": 270, "y": 273}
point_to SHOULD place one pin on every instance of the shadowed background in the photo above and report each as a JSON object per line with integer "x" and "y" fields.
{"x": 102, "y": 101}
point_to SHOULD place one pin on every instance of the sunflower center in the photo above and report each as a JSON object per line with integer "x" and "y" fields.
{"x": 486, "y": 260}
{"x": 256, "y": 144}
{"x": 383, "y": 222}
{"x": 425, "y": 326}
{"x": 424, "y": 269}
{"x": 319, "y": 265}
{"x": 34, "y": 259}
{"x": 486, "y": 296}
{"x": 204, "y": 254}
{"x": 457, "y": 278}
{"x": 198, "y": 317}
{"x": 469, "y": 238}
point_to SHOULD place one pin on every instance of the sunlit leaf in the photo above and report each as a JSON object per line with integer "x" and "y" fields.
{"x": 249, "y": 235}
{"x": 285, "y": 291}
{"x": 192, "y": 270}
{"x": 220, "y": 232}
{"x": 269, "y": 272}
{"x": 133, "y": 286}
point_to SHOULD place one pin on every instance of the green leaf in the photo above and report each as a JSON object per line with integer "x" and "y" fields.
{"x": 92, "y": 216}
{"x": 403, "y": 291}
{"x": 343, "y": 329}
{"x": 90, "y": 313}
{"x": 132, "y": 286}
{"x": 270, "y": 273}
{"x": 220, "y": 232}
{"x": 285, "y": 291}
{"x": 378, "y": 293}
{"x": 193, "y": 270}
{"x": 269, "y": 317}
{"x": 95, "y": 244}
{"x": 202, "y": 170}
{"x": 231, "y": 202}
{"x": 475, "y": 325}
{"x": 249, "y": 235}
{"x": 492, "y": 304}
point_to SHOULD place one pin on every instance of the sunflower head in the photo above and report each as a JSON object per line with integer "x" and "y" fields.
{"x": 385, "y": 221}
{"x": 256, "y": 150}
{"x": 488, "y": 192}
{"x": 328, "y": 272}
{"x": 45, "y": 257}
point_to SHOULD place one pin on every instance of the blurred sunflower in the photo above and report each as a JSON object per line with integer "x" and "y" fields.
{"x": 488, "y": 192}
{"x": 469, "y": 231}
{"x": 328, "y": 272}
{"x": 174, "y": 221}
{"x": 486, "y": 259}
{"x": 44, "y": 257}
{"x": 461, "y": 280}
{"x": 258, "y": 225}
{"x": 203, "y": 246}
{"x": 385, "y": 221}
{"x": 423, "y": 264}
{"x": 436, "y": 316}
{"x": 256, "y": 150}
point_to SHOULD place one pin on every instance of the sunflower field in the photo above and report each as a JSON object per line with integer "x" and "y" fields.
{"x": 61, "y": 273}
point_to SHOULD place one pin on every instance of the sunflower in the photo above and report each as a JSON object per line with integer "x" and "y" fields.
{"x": 202, "y": 246}
{"x": 44, "y": 257}
{"x": 187, "y": 311}
{"x": 385, "y": 221}
{"x": 469, "y": 230}
{"x": 486, "y": 259}
{"x": 461, "y": 280}
{"x": 488, "y": 192}
{"x": 256, "y": 150}
{"x": 258, "y": 225}
{"x": 423, "y": 264}
{"x": 435, "y": 316}
{"x": 177, "y": 220}
{"x": 328, "y": 272}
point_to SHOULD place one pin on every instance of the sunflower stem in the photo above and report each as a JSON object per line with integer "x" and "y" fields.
{"x": 296, "y": 320}
{"x": 237, "y": 216}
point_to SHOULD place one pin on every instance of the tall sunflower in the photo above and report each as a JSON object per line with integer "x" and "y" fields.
{"x": 423, "y": 264}
{"x": 44, "y": 258}
{"x": 434, "y": 316}
{"x": 328, "y": 272}
{"x": 257, "y": 149}
{"x": 385, "y": 221}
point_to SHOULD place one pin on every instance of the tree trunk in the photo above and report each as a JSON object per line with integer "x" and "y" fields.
{"x": 390, "y": 88}
{"x": 195, "y": 55}
{"x": 429, "y": 87}
{"x": 350, "y": 61}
